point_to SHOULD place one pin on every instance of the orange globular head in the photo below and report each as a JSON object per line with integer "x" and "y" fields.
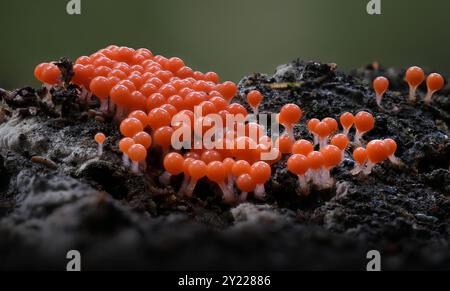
{"x": 332, "y": 124}
{"x": 207, "y": 108}
{"x": 219, "y": 103}
{"x": 167, "y": 90}
{"x": 364, "y": 122}
{"x": 347, "y": 120}
{"x": 154, "y": 101}
{"x": 176, "y": 101}
{"x": 245, "y": 183}
{"x": 312, "y": 123}
{"x": 185, "y": 72}
{"x": 194, "y": 99}
{"x": 174, "y": 64}
{"x": 228, "y": 163}
{"x": 100, "y": 138}
{"x": 435, "y": 82}
{"x": 240, "y": 167}
{"x": 186, "y": 164}
{"x": 228, "y": 90}
{"x": 332, "y": 156}
{"x": 143, "y": 138}
{"x": 197, "y": 170}
{"x": 302, "y": 147}
{"x": 360, "y": 155}
{"x": 216, "y": 172}
{"x": 100, "y": 87}
{"x": 83, "y": 60}
{"x": 137, "y": 101}
{"x": 130, "y": 127}
{"x": 158, "y": 118}
{"x": 141, "y": 116}
{"x": 212, "y": 77}
{"x": 391, "y": 145}
{"x": 127, "y": 83}
{"x": 120, "y": 94}
{"x": 51, "y": 74}
{"x": 170, "y": 109}
{"x": 148, "y": 89}
{"x": 380, "y": 85}
{"x": 284, "y": 143}
{"x": 290, "y": 114}
{"x": 322, "y": 129}
{"x": 125, "y": 144}
{"x": 341, "y": 141}
{"x": 209, "y": 156}
{"x": 236, "y": 108}
{"x": 316, "y": 160}
{"x": 415, "y": 76}
{"x": 298, "y": 164}
{"x": 38, "y": 71}
{"x": 174, "y": 163}
{"x": 137, "y": 153}
{"x": 377, "y": 151}
{"x": 254, "y": 98}
{"x": 163, "y": 136}
{"x": 260, "y": 172}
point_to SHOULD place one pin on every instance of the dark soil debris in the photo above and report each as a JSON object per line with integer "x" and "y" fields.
{"x": 56, "y": 195}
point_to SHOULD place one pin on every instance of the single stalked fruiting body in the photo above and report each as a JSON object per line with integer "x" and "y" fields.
{"x": 316, "y": 162}
{"x": 217, "y": 172}
{"x": 100, "y": 139}
{"x": 163, "y": 138}
{"x": 392, "y": 148}
{"x": 347, "y": 120}
{"x": 173, "y": 164}
{"x": 143, "y": 138}
{"x": 435, "y": 82}
{"x": 364, "y": 122}
{"x": 332, "y": 157}
{"x": 299, "y": 164}
{"x": 137, "y": 154}
{"x": 254, "y": 99}
{"x": 289, "y": 115}
{"x": 341, "y": 141}
{"x": 246, "y": 184}
{"x": 302, "y": 147}
{"x": 284, "y": 144}
{"x": 141, "y": 116}
{"x": 360, "y": 157}
{"x": 414, "y": 76}
{"x": 100, "y": 87}
{"x": 260, "y": 172}
{"x": 312, "y": 123}
{"x": 323, "y": 131}
{"x": 377, "y": 152}
{"x": 380, "y": 85}
{"x": 130, "y": 127}
{"x": 124, "y": 146}
{"x": 197, "y": 170}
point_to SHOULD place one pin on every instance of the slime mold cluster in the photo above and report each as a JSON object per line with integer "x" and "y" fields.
{"x": 152, "y": 98}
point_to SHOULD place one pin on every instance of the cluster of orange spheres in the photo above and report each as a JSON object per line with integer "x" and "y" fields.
{"x": 414, "y": 76}
{"x": 152, "y": 97}
{"x": 312, "y": 167}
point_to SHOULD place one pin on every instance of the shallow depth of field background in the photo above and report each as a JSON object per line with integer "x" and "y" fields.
{"x": 231, "y": 37}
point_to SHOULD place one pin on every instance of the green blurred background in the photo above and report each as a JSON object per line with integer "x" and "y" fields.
{"x": 231, "y": 37}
